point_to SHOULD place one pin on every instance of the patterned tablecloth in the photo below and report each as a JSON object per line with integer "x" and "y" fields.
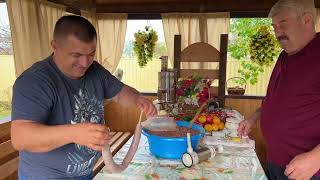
{"x": 232, "y": 163}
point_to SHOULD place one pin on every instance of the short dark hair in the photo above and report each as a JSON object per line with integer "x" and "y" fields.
{"x": 78, "y": 26}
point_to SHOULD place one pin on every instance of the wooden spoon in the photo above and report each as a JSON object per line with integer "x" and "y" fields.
{"x": 198, "y": 113}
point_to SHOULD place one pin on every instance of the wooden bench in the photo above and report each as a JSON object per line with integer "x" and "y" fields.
{"x": 9, "y": 157}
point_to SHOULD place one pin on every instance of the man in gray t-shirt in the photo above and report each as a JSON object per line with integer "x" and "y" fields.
{"x": 57, "y": 117}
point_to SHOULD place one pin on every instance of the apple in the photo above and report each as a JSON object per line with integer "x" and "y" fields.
{"x": 209, "y": 119}
{"x": 202, "y": 118}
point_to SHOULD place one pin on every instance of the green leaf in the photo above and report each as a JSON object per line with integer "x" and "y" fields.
{"x": 147, "y": 177}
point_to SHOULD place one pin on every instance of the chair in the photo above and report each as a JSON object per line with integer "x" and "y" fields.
{"x": 199, "y": 54}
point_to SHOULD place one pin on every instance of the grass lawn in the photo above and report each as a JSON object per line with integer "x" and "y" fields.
{"x": 4, "y": 114}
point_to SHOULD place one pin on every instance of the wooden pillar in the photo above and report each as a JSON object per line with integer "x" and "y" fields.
{"x": 222, "y": 68}
{"x": 177, "y": 53}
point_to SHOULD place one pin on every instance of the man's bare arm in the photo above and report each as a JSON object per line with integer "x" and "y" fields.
{"x": 127, "y": 96}
{"x": 35, "y": 137}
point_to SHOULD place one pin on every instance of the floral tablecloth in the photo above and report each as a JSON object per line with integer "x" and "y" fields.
{"x": 232, "y": 163}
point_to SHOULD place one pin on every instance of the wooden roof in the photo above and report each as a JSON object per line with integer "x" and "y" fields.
{"x": 165, "y": 6}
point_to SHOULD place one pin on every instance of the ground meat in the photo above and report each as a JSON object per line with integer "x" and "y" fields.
{"x": 179, "y": 132}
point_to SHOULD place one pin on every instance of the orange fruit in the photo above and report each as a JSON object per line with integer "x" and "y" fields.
{"x": 215, "y": 127}
{"x": 221, "y": 126}
{"x": 216, "y": 120}
{"x": 208, "y": 127}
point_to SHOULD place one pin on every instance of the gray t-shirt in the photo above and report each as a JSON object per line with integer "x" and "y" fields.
{"x": 45, "y": 95}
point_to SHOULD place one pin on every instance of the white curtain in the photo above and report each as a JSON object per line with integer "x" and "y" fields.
{"x": 217, "y": 24}
{"x": 111, "y": 29}
{"x": 194, "y": 27}
{"x": 186, "y": 24}
{"x": 31, "y": 24}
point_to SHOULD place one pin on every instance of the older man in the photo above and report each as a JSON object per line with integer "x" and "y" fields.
{"x": 57, "y": 118}
{"x": 290, "y": 115}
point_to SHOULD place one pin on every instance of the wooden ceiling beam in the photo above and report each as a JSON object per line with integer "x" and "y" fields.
{"x": 195, "y": 6}
{"x": 156, "y": 7}
{"x": 255, "y": 8}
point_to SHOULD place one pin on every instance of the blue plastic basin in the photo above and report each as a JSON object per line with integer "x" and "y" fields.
{"x": 170, "y": 147}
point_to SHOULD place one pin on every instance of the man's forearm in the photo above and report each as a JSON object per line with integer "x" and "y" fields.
{"x": 316, "y": 152}
{"x": 255, "y": 116}
{"x": 127, "y": 96}
{"x": 37, "y": 137}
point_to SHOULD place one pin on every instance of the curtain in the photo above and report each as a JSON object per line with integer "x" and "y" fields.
{"x": 217, "y": 24}
{"x": 317, "y": 23}
{"x": 111, "y": 29}
{"x": 186, "y": 24}
{"x": 31, "y": 24}
{"x": 194, "y": 27}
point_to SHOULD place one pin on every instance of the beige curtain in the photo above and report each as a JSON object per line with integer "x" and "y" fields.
{"x": 31, "y": 24}
{"x": 217, "y": 24}
{"x": 185, "y": 24}
{"x": 317, "y": 23}
{"x": 194, "y": 27}
{"x": 111, "y": 29}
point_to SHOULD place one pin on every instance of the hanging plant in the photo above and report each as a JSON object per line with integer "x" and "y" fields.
{"x": 144, "y": 45}
{"x": 263, "y": 47}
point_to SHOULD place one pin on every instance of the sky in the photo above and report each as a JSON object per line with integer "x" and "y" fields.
{"x": 4, "y": 19}
{"x": 134, "y": 25}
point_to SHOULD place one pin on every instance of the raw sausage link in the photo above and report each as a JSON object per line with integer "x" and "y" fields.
{"x": 113, "y": 167}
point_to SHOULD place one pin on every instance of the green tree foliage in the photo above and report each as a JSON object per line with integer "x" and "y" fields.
{"x": 160, "y": 50}
{"x": 246, "y": 36}
{"x": 5, "y": 39}
{"x": 241, "y": 30}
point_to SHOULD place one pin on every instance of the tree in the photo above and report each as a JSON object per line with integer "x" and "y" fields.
{"x": 243, "y": 31}
{"x": 5, "y": 40}
{"x": 160, "y": 50}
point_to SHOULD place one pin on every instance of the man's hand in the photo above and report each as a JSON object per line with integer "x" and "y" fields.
{"x": 94, "y": 136}
{"x": 245, "y": 127}
{"x": 147, "y": 106}
{"x": 303, "y": 166}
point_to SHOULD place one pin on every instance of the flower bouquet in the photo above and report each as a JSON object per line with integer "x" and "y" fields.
{"x": 192, "y": 92}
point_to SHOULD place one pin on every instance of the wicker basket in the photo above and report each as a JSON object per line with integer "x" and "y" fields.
{"x": 189, "y": 109}
{"x": 233, "y": 88}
